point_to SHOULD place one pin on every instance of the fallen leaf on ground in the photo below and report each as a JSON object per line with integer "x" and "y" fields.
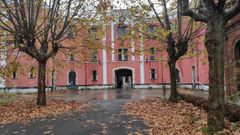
{"x": 168, "y": 118}
{"x": 24, "y": 110}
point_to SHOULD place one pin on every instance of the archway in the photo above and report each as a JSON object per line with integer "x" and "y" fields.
{"x": 123, "y": 78}
{"x": 72, "y": 78}
{"x": 237, "y": 59}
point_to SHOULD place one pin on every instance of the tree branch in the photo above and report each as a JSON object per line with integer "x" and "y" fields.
{"x": 221, "y": 4}
{"x": 195, "y": 16}
{"x": 156, "y": 14}
{"x": 233, "y": 11}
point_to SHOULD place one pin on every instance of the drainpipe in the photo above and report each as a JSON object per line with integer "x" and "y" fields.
{"x": 85, "y": 75}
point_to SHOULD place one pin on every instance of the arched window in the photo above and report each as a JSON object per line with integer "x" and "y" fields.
{"x": 237, "y": 52}
{"x": 72, "y": 78}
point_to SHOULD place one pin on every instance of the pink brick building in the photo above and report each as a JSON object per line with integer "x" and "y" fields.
{"x": 120, "y": 66}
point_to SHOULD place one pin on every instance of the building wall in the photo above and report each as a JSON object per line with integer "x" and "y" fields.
{"x": 108, "y": 62}
{"x": 232, "y": 68}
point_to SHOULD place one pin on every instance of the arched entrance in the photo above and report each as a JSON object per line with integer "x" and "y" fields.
{"x": 123, "y": 78}
{"x": 72, "y": 78}
{"x": 237, "y": 58}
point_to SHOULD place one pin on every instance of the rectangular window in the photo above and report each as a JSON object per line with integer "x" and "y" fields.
{"x": 153, "y": 74}
{"x": 123, "y": 54}
{"x": 94, "y": 75}
{"x": 32, "y": 73}
{"x": 151, "y": 29}
{"x": 152, "y": 52}
{"x": 122, "y": 31}
{"x": 71, "y": 57}
{"x": 94, "y": 56}
{"x": 92, "y": 33}
{"x": 14, "y": 74}
{"x": 71, "y": 33}
{"x": 53, "y": 77}
{"x": 119, "y": 54}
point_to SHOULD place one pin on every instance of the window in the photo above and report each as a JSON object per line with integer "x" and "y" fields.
{"x": 71, "y": 33}
{"x": 71, "y": 57}
{"x": 53, "y": 77}
{"x": 151, "y": 29}
{"x": 123, "y": 54}
{"x": 152, "y": 52}
{"x": 193, "y": 76}
{"x": 153, "y": 74}
{"x": 173, "y": 26}
{"x": 237, "y": 52}
{"x": 32, "y": 73}
{"x": 94, "y": 56}
{"x": 92, "y": 33}
{"x": 14, "y": 74}
{"x": 122, "y": 31}
{"x": 94, "y": 75}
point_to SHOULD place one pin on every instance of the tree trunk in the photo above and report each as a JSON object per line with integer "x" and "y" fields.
{"x": 214, "y": 42}
{"x": 173, "y": 89}
{"x": 41, "y": 100}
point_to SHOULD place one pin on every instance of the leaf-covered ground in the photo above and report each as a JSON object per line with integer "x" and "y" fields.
{"x": 168, "y": 118}
{"x": 24, "y": 109}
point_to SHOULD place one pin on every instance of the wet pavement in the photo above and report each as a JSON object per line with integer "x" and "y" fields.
{"x": 112, "y": 94}
{"x": 106, "y": 115}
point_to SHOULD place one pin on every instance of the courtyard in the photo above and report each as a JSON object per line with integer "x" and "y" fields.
{"x": 89, "y": 67}
{"x": 104, "y": 116}
{"x": 115, "y": 112}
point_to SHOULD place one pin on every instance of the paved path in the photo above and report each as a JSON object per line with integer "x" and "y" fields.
{"x": 105, "y": 117}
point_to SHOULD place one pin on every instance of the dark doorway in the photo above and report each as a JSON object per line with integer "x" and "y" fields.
{"x": 72, "y": 78}
{"x": 237, "y": 52}
{"x": 123, "y": 78}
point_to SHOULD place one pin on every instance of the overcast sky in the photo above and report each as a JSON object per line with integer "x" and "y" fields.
{"x": 120, "y": 4}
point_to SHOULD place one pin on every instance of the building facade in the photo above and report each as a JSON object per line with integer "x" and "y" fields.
{"x": 232, "y": 56}
{"x": 119, "y": 62}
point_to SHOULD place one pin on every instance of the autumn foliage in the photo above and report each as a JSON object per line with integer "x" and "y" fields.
{"x": 169, "y": 118}
{"x": 25, "y": 109}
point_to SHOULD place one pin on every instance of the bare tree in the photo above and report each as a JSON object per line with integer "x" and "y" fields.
{"x": 177, "y": 43}
{"x": 38, "y": 27}
{"x": 174, "y": 38}
{"x": 216, "y": 14}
